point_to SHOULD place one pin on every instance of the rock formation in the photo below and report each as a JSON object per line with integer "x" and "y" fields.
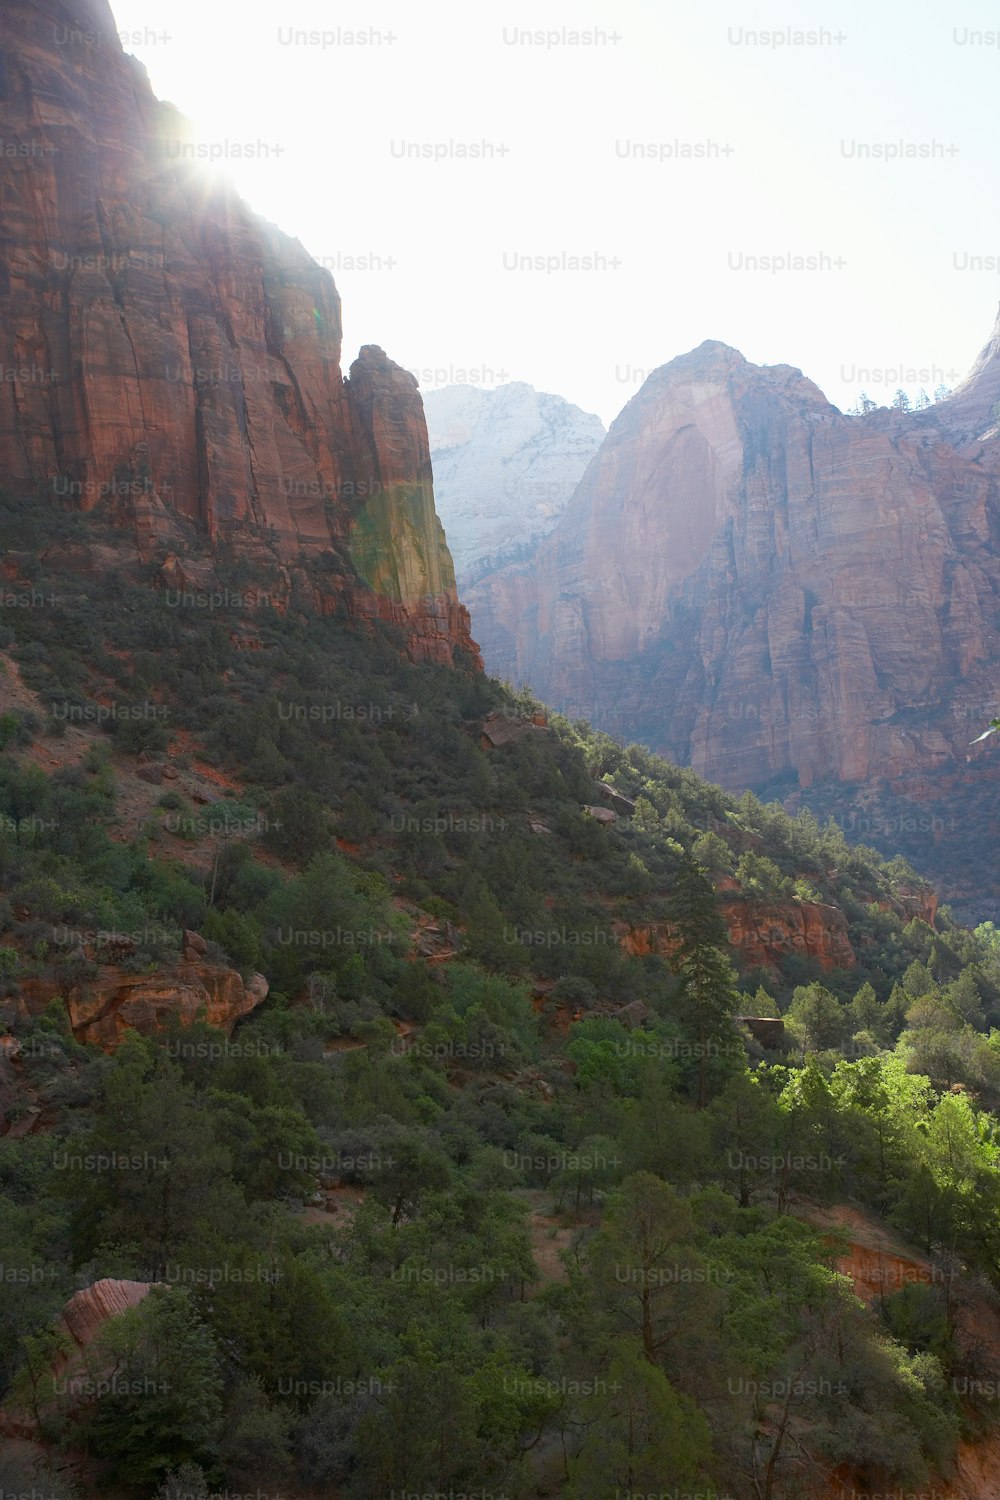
{"x": 763, "y": 933}
{"x": 506, "y": 462}
{"x": 775, "y": 593}
{"x": 87, "y": 1311}
{"x": 167, "y": 353}
{"x": 81, "y": 1320}
{"x": 102, "y": 1008}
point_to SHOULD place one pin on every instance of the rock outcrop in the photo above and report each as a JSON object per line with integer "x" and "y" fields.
{"x": 101, "y": 1009}
{"x": 879, "y": 1266}
{"x": 768, "y": 1031}
{"x": 763, "y": 933}
{"x": 168, "y": 354}
{"x": 87, "y": 1311}
{"x": 770, "y": 591}
{"x": 81, "y": 1320}
{"x": 506, "y": 462}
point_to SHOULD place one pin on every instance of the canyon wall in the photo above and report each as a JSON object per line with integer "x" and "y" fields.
{"x": 167, "y": 353}
{"x": 773, "y": 592}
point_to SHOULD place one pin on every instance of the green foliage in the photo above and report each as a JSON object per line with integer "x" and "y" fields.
{"x": 442, "y": 1210}
{"x": 161, "y": 1408}
{"x": 815, "y": 1018}
{"x": 706, "y": 998}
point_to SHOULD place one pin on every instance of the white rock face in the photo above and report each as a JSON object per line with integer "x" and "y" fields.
{"x": 506, "y": 461}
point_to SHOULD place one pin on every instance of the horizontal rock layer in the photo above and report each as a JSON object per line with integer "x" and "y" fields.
{"x": 762, "y": 934}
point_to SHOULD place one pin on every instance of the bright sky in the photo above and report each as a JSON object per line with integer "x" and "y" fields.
{"x": 808, "y": 127}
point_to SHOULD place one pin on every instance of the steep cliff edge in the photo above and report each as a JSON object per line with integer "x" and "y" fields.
{"x": 167, "y": 353}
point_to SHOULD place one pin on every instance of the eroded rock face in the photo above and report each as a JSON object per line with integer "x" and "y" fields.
{"x": 82, "y": 1319}
{"x": 168, "y": 352}
{"x": 762, "y": 588}
{"x": 87, "y": 1311}
{"x": 762, "y": 934}
{"x": 102, "y": 1009}
{"x": 879, "y": 1265}
{"x": 769, "y": 1031}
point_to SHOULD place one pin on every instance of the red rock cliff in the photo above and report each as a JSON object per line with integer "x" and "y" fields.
{"x": 165, "y": 348}
{"x": 763, "y": 933}
{"x": 759, "y": 586}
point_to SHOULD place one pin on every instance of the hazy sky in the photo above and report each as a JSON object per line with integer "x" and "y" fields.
{"x": 869, "y": 146}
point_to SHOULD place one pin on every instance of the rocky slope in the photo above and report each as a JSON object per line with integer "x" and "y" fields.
{"x": 880, "y": 1265}
{"x": 506, "y": 461}
{"x": 772, "y": 592}
{"x": 168, "y": 353}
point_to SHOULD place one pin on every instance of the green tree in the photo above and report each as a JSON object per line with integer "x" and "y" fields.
{"x": 160, "y": 1405}
{"x": 759, "y": 876}
{"x": 706, "y": 999}
{"x": 297, "y": 822}
{"x": 746, "y": 1131}
{"x": 815, "y": 1018}
{"x": 642, "y": 1436}
{"x": 645, "y": 1264}
{"x": 150, "y": 1169}
{"x": 865, "y": 1013}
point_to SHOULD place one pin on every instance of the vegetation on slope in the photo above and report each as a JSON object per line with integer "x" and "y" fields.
{"x": 350, "y": 1207}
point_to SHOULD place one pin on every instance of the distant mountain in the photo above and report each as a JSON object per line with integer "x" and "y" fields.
{"x": 506, "y": 461}
{"x": 785, "y": 598}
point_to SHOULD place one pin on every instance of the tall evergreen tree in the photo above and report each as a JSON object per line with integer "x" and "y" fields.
{"x": 707, "y": 996}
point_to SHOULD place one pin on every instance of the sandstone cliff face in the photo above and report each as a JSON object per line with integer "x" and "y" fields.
{"x": 762, "y": 934}
{"x": 879, "y": 1265}
{"x": 166, "y": 351}
{"x": 757, "y": 585}
{"x": 81, "y": 1320}
{"x": 103, "y": 1008}
{"x": 87, "y": 1311}
{"x": 763, "y": 588}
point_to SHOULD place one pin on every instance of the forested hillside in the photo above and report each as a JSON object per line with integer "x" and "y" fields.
{"x": 477, "y": 1184}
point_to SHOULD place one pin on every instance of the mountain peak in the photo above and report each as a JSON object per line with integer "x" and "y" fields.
{"x": 506, "y": 462}
{"x": 772, "y": 592}
{"x": 975, "y": 401}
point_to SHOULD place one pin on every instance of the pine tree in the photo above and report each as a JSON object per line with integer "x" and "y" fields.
{"x": 707, "y": 997}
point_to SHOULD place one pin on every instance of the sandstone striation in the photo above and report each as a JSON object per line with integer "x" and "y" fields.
{"x": 87, "y": 1311}
{"x": 169, "y": 355}
{"x": 80, "y": 1321}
